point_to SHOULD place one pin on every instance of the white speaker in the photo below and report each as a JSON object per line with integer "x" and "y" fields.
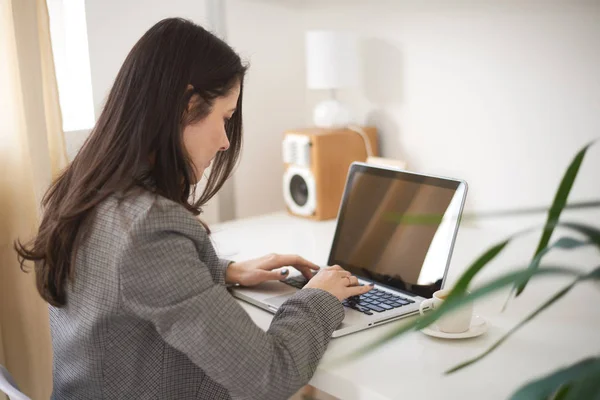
{"x": 316, "y": 165}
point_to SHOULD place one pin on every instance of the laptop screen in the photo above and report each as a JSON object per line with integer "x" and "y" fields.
{"x": 397, "y": 228}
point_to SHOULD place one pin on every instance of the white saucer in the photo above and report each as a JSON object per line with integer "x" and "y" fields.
{"x": 478, "y": 327}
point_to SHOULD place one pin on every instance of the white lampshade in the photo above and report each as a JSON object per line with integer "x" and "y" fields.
{"x": 331, "y": 60}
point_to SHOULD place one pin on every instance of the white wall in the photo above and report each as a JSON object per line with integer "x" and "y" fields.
{"x": 501, "y": 94}
{"x": 114, "y": 26}
{"x": 271, "y": 36}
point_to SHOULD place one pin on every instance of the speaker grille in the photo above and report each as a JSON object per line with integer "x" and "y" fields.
{"x": 299, "y": 190}
{"x": 296, "y": 150}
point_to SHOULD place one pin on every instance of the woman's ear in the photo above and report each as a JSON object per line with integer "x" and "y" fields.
{"x": 193, "y": 98}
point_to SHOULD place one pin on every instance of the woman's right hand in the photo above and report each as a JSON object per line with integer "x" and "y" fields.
{"x": 338, "y": 282}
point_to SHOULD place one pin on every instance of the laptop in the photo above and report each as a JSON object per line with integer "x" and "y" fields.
{"x": 395, "y": 229}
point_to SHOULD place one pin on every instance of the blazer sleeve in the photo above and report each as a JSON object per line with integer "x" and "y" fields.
{"x": 221, "y": 271}
{"x": 164, "y": 280}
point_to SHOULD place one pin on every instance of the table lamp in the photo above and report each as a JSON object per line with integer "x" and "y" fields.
{"x": 331, "y": 64}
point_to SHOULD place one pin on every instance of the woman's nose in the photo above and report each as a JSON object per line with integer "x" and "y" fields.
{"x": 225, "y": 144}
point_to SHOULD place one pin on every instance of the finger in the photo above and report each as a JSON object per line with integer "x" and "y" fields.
{"x": 349, "y": 280}
{"x": 342, "y": 274}
{"x": 296, "y": 261}
{"x": 279, "y": 274}
{"x": 273, "y": 261}
{"x": 353, "y": 280}
{"x": 336, "y": 268}
{"x": 302, "y": 265}
{"x": 357, "y": 290}
{"x": 306, "y": 272}
{"x": 305, "y": 263}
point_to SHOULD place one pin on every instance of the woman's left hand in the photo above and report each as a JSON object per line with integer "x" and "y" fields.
{"x": 267, "y": 268}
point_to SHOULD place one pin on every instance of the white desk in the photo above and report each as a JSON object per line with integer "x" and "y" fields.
{"x": 411, "y": 367}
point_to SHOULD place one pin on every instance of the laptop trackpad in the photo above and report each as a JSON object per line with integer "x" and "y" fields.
{"x": 278, "y": 300}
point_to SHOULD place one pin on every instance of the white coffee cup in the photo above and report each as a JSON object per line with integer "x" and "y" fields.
{"x": 456, "y": 321}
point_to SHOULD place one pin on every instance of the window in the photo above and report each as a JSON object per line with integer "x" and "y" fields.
{"x": 68, "y": 31}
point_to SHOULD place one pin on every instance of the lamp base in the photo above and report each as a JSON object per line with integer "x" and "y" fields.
{"x": 331, "y": 113}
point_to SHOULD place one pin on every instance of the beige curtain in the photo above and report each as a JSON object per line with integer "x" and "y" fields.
{"x": 32, "y": 150}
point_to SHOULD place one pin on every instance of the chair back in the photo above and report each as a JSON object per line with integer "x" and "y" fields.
{"x": 9, "y": 386}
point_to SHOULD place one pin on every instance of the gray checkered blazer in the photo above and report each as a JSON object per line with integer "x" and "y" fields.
{"x": 149, "y": 317}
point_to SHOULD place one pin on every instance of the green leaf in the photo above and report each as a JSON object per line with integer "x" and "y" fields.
{"x": 591, "y": 232}
{"x": 594, "y": 275}
{"x": 465, "y": 279}
{"x": 546, "y": 386}
{"x": 565, "y": 243}
{"x": 454, "y": 301}
{"x": 562, "y": 392}
{"x": 562, "y": 243}
{"x": 463, "y": 282}
{"x": 587, "y": 387}
{"x": 560, "y": 200}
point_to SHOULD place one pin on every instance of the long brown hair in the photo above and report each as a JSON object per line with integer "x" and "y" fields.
{"x": 142, "y": 120}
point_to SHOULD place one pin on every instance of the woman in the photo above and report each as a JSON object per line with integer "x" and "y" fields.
{"x": 139, "y": 305}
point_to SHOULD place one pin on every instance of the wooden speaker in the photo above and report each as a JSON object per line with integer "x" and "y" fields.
{"x": 316, "y": 166}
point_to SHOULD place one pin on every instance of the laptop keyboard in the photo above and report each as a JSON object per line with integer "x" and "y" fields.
{"x": 376, "y": 301}
{"x": 373, "y": 301}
